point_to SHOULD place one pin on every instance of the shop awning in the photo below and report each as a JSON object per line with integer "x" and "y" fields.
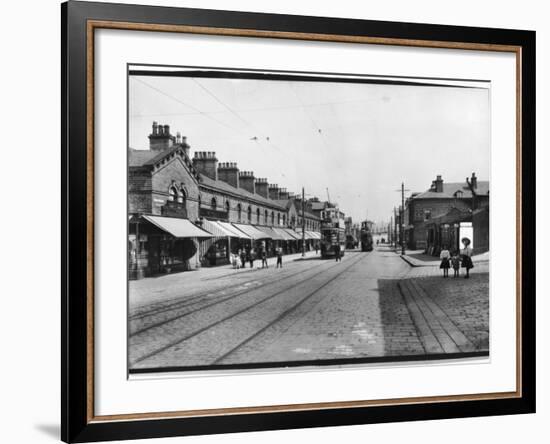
{"x": 293, "y": 234}
{"x": 314, "y": 235}
{"x": 177, "y": 227}
{"x": 271, "y": 233}
{"x": 216, "y": 228}
{"x": 251, "y": 231}
{"x": 283, "y": 235}
{"x": 234, "y": 231}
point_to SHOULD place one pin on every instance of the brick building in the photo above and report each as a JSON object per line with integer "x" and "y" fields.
{"x": 186, "y": 212}
{"x": 438, "y": 215}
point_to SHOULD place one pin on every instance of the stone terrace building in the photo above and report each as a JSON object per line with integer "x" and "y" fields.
{"x": 175, "y": 203}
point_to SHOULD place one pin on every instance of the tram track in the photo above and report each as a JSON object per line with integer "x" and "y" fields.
{"x": 248, "y": 308}
{"x": 201, "y": 301}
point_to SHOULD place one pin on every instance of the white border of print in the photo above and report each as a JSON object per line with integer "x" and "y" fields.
{"x": 116, "y": 394}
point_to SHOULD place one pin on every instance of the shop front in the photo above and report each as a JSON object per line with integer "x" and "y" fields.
{"x": 158, "y": 245}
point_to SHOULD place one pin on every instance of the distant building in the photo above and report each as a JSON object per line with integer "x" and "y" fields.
{"x": 446, "y": 212}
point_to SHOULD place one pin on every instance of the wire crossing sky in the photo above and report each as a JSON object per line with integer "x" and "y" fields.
{"x": 359, "y": 140}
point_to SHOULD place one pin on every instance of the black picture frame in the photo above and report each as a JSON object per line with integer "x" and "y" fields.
{"x": 78, "y": 423}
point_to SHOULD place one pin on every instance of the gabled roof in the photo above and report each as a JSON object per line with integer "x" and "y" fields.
{"x": 224, "y": 187}
{"x": 449, "y": 190}
{"x": 287, "y": 203}
{"x": 137, "y": 158}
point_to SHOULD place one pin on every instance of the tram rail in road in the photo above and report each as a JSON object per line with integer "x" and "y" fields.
{"x": 206, "y": 336}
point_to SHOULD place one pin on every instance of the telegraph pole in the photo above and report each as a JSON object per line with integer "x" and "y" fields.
{"x": 401, "y": 219}
{"x": 395, "y": 227}
{"x": 304, "y": 222}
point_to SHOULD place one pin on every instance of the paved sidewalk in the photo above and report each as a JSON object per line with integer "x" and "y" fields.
{"x": 417, "y": 258}
{"x": 168, "y": 286}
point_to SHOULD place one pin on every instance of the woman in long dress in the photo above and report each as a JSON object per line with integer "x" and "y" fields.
{"x": 466, "y": 255}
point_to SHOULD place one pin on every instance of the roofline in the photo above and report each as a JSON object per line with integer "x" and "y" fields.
{"x": 223, "y": 191}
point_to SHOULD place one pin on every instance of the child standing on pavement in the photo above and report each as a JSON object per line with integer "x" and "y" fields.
{"x": 455, "y": 262}
{"x": 279, "y": 258}
{"x": 445, "y": 264}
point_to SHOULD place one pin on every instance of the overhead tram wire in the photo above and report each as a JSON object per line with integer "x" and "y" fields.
{"x": 232, "y": 111}
{"x": 198, "y": 111}
{"x": 316, "y": 127}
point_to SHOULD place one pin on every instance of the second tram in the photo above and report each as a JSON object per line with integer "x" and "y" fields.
{"x": 333, "y": 234}
{"x": 366, "y": 237}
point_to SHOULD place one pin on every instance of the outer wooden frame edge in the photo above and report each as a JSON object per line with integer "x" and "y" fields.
{"x": 78, "y": 422}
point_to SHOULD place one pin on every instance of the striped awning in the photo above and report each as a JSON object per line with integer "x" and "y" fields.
{"x": 251, "y": 231}
{"x": 283, "y": 235}
{"x": 315, "y": 235}
{"x": 293, "y": 234}
{"x": 270, "y": 232}
{"x": 216, "y": 228}
{"x": 234, "y": 231}
{"x": 177, "y": 227}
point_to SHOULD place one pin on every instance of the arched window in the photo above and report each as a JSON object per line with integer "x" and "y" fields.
{"x": 213, "y": 203}
{"x": 284, "y": 219}
{"x": 272, "y": 218}
{"x": 227, "y": 208}
{"x": 278, "y": 218}
{"x": 200, "y": 200}
{"x": 173, "y": 194}
{"x": 258, "y": 216}
{"x": 239, "y": 211}
{"x": 265, "y": 217}
{"x": 249, "y": 214}
{"x": 182, "y": 196}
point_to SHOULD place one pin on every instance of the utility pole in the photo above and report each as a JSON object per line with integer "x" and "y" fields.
{"x": 304, "y": 222}
{"x": 395, "y": 227}
{"x": 402, "y": 218}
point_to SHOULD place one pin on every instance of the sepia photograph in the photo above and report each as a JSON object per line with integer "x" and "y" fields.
{"x": 293, "y": 219}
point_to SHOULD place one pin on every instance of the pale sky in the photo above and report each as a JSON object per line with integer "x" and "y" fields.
{"x": 358, "y": 140}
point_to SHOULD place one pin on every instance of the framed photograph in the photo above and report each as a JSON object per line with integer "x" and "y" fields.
{"x": 275, "y": 221}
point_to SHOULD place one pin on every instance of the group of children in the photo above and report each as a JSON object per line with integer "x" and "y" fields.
{"x": 455, "y": 260}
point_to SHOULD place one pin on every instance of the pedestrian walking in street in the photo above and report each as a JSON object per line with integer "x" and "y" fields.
{"x": 445, "y": 257}
{"x": 337, "y": 253}
{"x": 455, "y": 263}
{"x": 235, "y": 260}
{"x": 279, "y": 253}
{"x": 242, "y": 255}
{"x": 316, "y": 248}
{"x": 466, "y": 255}
{"x": 263, "y": 254}
{"x": 251, "y": 257}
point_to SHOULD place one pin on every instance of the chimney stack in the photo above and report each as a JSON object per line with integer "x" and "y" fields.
{"x": 229, "y": 173}
{"x": 262, "y": 187}
{"x": 438, "y": 184}
{"x": 246, "y": 181}
{"x": 473, "y": 181}
{"x": 185, "y": 146}
{"x": 206, "y": 163}
{"x": 160, "y": 139}
{"x": 283, "y": 194}
{"x": 273, "y": 191}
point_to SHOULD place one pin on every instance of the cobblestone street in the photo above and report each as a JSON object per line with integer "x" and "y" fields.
{"x": 370, "y": 305}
